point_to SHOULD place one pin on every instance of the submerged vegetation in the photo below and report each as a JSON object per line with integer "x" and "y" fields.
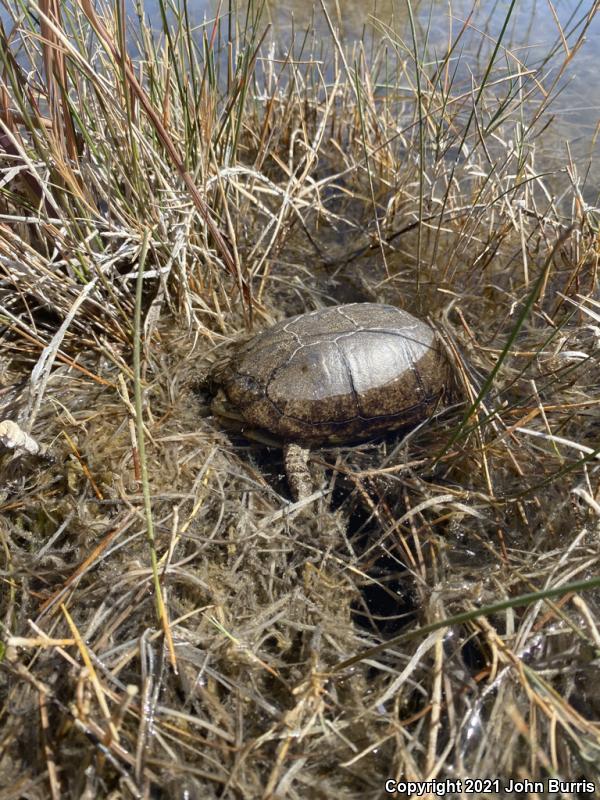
{"x": 171, "y": 625}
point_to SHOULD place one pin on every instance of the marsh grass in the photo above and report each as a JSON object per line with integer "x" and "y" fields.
{"x": 171, "y": 624}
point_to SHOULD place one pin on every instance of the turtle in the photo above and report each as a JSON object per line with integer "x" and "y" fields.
{"x": 338, "y": 375}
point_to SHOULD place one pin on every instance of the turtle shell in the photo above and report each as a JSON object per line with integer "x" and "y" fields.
{"x": 337, "y": 375}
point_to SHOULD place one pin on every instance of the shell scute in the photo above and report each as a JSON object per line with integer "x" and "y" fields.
{"x": 307, "y": 384}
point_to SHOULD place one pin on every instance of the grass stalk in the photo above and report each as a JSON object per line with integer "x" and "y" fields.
{"x": 141, "y": 441}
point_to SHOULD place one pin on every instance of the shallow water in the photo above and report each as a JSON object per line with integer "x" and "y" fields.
{"x": 530, "y": 35}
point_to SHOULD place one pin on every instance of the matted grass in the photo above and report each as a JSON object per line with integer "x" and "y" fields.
{"x": 171, "y": 624}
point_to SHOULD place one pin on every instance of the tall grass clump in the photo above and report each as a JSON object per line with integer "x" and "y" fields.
{"x": 171, "y": 625}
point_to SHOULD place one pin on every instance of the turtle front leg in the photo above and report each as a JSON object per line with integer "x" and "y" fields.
{"x": 295, "y": 458}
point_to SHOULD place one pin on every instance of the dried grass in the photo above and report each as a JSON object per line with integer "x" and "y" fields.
{"x": 251, "y": 647}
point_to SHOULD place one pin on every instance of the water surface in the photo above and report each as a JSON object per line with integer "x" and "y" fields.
{"x": 531, "y": 34}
